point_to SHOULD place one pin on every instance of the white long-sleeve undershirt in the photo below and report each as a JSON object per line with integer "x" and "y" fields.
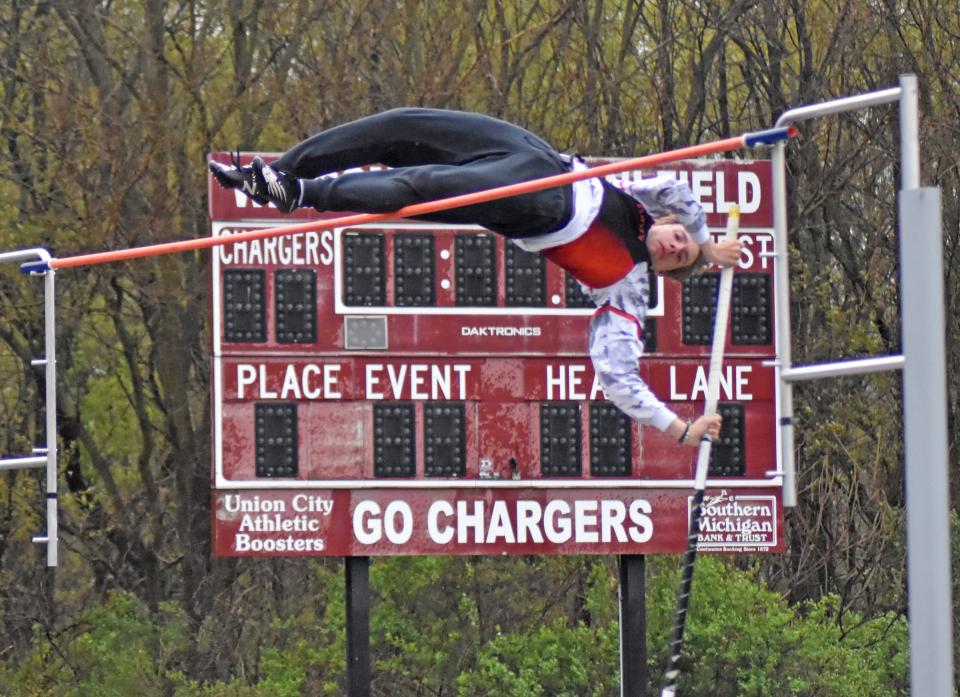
{"x": 616, "y": 346}
{"x": 616, "y": 334}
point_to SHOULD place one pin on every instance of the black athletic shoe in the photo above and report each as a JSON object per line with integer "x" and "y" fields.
{"x": 236, "y": 177}
{"x": 281, "y": 189}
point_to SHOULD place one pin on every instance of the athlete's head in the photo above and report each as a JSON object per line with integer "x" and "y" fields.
{"x": 672, "y": 251}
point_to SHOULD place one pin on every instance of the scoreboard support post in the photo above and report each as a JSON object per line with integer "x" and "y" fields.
{"x": 357, "y": 578}
{"x": 633, "y": 626}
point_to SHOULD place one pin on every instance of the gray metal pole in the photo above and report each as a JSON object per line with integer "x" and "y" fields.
{"x": 782, "y": 291}
{"x": 50, "y": 351}
{"x": 925, "y": 418}
{"x": 925, "y": 445}
{"x": 847, "y": 367}
{"x": 909, "y": 133}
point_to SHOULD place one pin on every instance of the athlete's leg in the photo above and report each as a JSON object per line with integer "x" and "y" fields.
{"x": 407, "y": 137}
{"x": 432, "y": 154}
{"x": 388, "y": 190}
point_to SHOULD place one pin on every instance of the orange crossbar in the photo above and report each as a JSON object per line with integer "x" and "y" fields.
{"x": 418, "y": 209}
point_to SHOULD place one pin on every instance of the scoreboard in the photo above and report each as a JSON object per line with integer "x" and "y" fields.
{"x": 414, "y": 388}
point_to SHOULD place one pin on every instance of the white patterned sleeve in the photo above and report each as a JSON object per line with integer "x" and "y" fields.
{"x": 663, "y": 195}
{"x": 615, "y": 349}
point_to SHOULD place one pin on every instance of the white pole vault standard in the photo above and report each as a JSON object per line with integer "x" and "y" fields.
{"x": 669, "y": 687}
{"x": 44, "y": 457}
{"x": 786, "y": 374}
{"x": 923, "y": 362}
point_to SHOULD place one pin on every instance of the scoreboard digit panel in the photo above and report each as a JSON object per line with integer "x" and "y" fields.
{"x": 463, "y": 291}
{"x": 506, "y": 417}
{"x": 414, "y": 388}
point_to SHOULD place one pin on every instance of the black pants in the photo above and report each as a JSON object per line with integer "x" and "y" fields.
{"x": 432, "y": 154}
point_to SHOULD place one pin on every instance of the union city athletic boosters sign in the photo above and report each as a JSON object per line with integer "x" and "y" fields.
{"x": 412, "y": 388}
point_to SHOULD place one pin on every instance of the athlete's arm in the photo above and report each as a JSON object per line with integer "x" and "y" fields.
{"x": 616, "y": 349}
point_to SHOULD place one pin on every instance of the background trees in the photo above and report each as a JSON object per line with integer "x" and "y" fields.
{"x": 107, "y": 109}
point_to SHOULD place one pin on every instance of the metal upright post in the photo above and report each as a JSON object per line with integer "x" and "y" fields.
{"x": 782, "y": 291}
{"x": 909, "y": 133}
{"x": 50, "y": 372}
{"x": 925, "y": 418}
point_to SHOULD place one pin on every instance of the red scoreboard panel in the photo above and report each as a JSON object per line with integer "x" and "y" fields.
{"x": 411, "y": 388}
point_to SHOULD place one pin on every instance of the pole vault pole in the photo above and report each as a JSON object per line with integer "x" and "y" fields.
{"x": 669, "y": 687}
{"x": 747, "y": 140}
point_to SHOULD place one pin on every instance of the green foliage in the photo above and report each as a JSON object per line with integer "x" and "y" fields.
{"x": 424, "y": 624}
{"x": 551, "y": 660}
{"x": 113, "y": 650}
{"x": 118, "y": 650}
{"x": 743, "y": 640}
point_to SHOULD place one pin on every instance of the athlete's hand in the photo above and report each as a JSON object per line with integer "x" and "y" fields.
{"x": 708, "y": 426}
{"x": 723, "y": 253}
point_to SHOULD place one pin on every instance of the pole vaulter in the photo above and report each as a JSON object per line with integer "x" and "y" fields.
{"x": 747, "y": 140}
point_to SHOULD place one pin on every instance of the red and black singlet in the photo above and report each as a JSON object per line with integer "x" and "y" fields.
{"x": 611, "y": 246}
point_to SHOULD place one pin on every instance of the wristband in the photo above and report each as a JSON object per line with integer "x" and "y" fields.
{"x": 686, "y": 432}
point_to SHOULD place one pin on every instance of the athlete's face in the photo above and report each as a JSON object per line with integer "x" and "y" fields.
{"x": 670, "y": 247}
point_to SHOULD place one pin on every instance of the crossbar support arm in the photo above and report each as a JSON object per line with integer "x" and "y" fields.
{"x": 838, "y": 368}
